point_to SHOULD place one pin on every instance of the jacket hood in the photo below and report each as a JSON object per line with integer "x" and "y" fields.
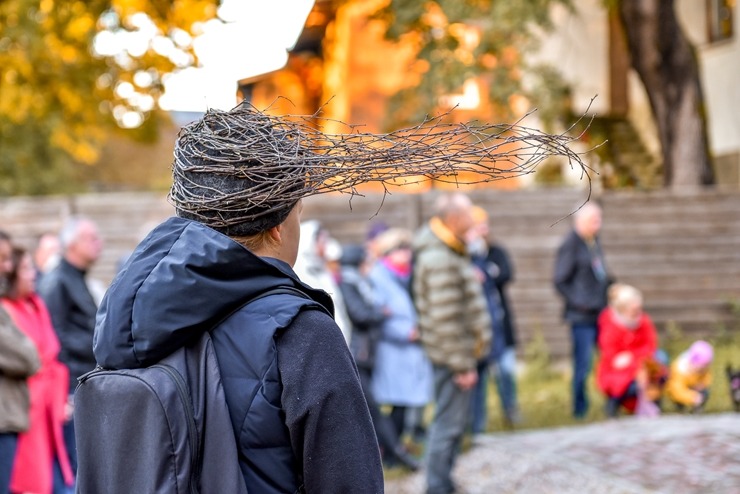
{"x": 182, "y": 279}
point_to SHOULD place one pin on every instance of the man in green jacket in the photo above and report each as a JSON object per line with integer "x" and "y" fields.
{"x": 455, "y": 329}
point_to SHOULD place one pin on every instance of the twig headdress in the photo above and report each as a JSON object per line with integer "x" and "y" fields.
{"x": 242, "y": 171}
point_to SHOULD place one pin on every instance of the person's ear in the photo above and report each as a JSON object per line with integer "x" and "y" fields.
{"x": 276, "y": 233}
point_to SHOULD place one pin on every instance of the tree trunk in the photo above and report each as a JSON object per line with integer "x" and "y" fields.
{"x": 667, "y": 65}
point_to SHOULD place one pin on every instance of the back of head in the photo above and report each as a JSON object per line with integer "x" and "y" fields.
{"x": 11, "y": 287}
{"x": 587, "y": 220}
{"x": 450, "y": 204}
{"x": 69, "y": 232}
{"x": 622, "y": 295}
{"x": 237, "y": 172}
{"x": 6, "y": 246}
{"x": 455, "y": 211}
{"x": 80, "y": 241}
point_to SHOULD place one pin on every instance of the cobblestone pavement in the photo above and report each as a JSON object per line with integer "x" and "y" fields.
{"x": 677, "y": 454}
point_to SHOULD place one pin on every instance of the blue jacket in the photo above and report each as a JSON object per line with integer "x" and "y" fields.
{"x": 185, "y": 278}
{"x": 402, "y": 374}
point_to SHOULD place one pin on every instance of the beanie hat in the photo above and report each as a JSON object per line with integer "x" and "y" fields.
{"x": 352, "y": 255}
{"x": 701, "y": 354}
{"x": 376, "y": 229}
{"x": 479, "y": 214}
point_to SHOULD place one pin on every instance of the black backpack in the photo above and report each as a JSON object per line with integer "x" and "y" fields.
{"x": 163, "y": 429}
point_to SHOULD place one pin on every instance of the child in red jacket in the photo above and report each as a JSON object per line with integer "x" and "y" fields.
{"x": 628, "y": 343}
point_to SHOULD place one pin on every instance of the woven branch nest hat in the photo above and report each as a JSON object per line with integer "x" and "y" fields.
{"x": 242, "y": 171}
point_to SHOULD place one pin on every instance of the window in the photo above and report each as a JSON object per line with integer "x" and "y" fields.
{"x": 720, "y": 19}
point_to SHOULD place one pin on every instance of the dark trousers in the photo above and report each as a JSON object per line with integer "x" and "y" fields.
{"x": 8, "y": 445}
{"x": 584, "y": 339}
{"x": 451, "y": 416}
{"x": 384, "y": 429}
{"x": 398, "y": 417}
{"x": 71, "y": 443}
{"x": 614, "y": 402}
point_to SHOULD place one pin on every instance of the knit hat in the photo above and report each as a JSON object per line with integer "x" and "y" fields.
{"x": 479, "y": 214}
{"x": 376, "y": 229}
{"x": 352, "y": 255}
{"x": 700, "y": 354}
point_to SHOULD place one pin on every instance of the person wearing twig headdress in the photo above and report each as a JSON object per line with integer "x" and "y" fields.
{"x": 298, "y": 412}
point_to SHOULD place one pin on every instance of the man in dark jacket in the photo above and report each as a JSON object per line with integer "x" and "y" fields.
{"x": 298, "y": 413}
{"x": 497, "y": 272}
{"x": 72, "y": 307}
{"x": 581, "y": 278}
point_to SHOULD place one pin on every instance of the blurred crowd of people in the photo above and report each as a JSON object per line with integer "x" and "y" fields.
{"x": 426, "y": 316}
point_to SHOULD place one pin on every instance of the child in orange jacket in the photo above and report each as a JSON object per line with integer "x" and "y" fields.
{"x": 691, "y": 376}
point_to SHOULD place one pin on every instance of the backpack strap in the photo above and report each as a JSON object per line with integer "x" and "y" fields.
{"x": 285, "y": 290}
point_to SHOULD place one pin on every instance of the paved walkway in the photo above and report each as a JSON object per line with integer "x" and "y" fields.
{"x": 677, "y": 454}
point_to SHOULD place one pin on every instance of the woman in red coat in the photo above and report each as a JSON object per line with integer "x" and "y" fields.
{"x": 43, "y": 442}
{"x": 627, "y": 342}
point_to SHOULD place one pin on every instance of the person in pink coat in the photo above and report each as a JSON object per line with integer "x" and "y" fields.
{"x": 627, "y": 343}
{"x": 42, "y": 443}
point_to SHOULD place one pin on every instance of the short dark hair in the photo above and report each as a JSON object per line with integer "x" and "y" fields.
{"x": 11, "y": 287}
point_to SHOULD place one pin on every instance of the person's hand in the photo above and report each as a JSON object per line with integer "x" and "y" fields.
{"x": 493, "y": 269}
{"x": 479, "y": 274}
{"x": 69, "y": 409}
{"x": 414, "y": 335}
{"x": 622, "y": 360}
{"x": 466, "y": 380}
{"x": 698, "y": 399}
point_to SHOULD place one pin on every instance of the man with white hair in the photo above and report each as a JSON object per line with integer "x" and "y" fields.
{"x": 72, "y": 307}
{"x": 582, "y": 280}
{"x": 455, "y": 328}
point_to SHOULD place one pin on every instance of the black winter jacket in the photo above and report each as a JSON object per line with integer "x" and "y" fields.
{"x": 501, "y": 272}
{"x": 72, "y": 310}
{"x": 300, "y": 419}
{"x": 577, "y": 281}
